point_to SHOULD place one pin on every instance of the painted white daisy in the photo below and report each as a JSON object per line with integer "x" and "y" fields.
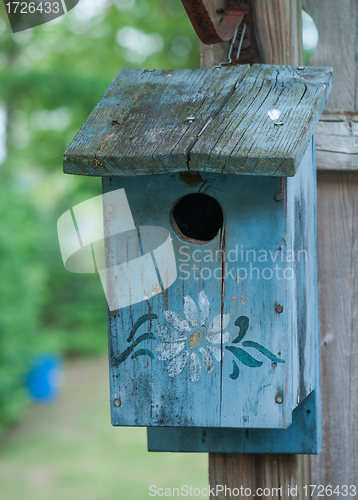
{"x": 190, "y": 336}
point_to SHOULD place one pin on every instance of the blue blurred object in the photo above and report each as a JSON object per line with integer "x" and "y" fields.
{"x": 44, "y": 378}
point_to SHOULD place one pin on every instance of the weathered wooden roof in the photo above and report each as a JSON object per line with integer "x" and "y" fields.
{"x": 254, "y": 120}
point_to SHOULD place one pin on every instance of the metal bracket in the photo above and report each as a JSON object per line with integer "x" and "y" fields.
{"x": 229, "y": 58}
{"x": 204, "y": 25}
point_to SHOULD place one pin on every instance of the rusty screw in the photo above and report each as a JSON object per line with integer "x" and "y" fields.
{"x": 278, "y": 308}
{"x": 278, "y": 197}
{"x": 117, "y": 402}
{"x": 279, "y": 399}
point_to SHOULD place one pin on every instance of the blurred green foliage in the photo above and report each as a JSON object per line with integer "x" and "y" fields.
{"x": 51, "y": 77}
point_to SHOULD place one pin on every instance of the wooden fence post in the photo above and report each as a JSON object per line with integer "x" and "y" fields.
{"x": 337, "y": 164}
{"x": 278, "y": 34}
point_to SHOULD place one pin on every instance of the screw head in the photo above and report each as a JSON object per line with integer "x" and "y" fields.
{"x": 279, "y": 399}
{"x": 301, "y": 68}
{"x": 278, "y": 197}
{"x": 278, "y": 308}
{"x": 117, "y": 402}
{"x": 278, "y": 124}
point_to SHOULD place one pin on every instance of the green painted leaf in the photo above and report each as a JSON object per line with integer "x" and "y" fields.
{"x": 139, "y": 322}
{"x": 236, "y": 370}
{"x": 243, "y": 323}
{"x": 146, "y": 336}
{"x": 263, "y": 350}
{"x": 143, "y": 352}
{"x": 244, "y": 356}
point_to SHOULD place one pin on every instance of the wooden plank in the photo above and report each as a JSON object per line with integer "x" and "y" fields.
{"x": 141, "y": 124}
{"x": 337, "y": 243}
{"x": 256, "y": 472}
{"x": 337, "y": 246}
{"x": 243, "y": 138}
{"x": 278, "y": 31}
{"x": 303, "y": 436}
{"x": 302, "y": 212}
{"x": 337, "y": 27}
{"x": 136, "y": 127}
{"x": 337, "y": 141}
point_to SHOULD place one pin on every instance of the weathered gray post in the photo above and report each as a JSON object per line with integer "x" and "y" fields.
{"x": 337, "y": 165}
{"x": 278, "y": 36}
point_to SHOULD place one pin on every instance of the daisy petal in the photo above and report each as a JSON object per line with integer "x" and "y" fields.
{"x": 204, "y": 307}
{"x": 177, "y": 322}
{"x": 190, "y": 310}
{"x": 207, "y": 360}
{"x": 177, "y": 364}
{"x": 164, "y": 333}
{"x": 215, "y": 352}
{"x": 215, "y": 325}
{"x": 216, "y": 338}
{"x": 194, "y": 367}
{"x": 169, "y": 350}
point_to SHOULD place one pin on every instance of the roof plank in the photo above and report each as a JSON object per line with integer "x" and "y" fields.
{"x": 141, "y": 125}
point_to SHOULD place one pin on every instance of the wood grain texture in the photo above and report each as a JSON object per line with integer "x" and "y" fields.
{"x": 302, "y": 211}
{"x": 244, "y": 140}
{"x": 338, "y": 263}
{"x": 278, "y": 28}
{"x": 141, "y": 124}
{"x": 337, "y": 26}
{"x": 259, "y": 471}
{"x": 337, "y": 141}
{"x": 337, "y": 243}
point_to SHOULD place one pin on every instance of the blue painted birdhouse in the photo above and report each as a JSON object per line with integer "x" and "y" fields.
{"x": 210, "y": 260}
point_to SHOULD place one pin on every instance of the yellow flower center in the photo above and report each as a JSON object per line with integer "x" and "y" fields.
{"x": 195, "y": 338}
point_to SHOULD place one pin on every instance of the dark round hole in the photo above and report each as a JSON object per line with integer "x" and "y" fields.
{"x": 198, "y": 216}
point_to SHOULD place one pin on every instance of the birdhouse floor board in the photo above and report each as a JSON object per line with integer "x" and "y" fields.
{"x": 236, "y": 120}
{"x": 303, "y": 436}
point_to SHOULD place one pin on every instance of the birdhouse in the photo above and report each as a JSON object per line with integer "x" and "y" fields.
{"x": 210, "y": 259}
